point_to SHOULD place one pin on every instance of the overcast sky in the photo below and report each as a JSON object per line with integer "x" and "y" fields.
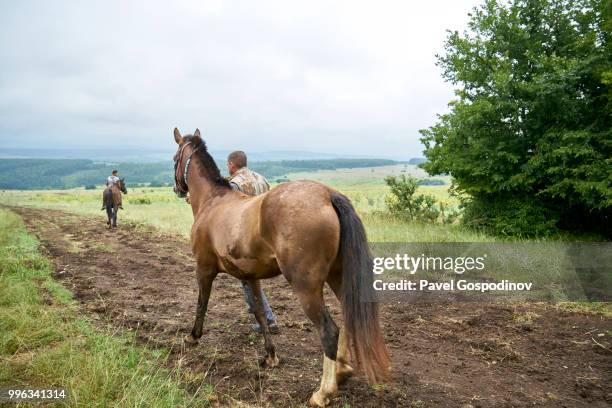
{"x": 350, "y": 78}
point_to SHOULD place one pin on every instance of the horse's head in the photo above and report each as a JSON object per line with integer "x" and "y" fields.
{"x": 122, "y": 186}
{"x": 181, "y": 162}
{"x": 208, "y": 170}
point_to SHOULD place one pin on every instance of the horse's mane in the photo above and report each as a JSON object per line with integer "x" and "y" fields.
{"x": 209, "y": 168}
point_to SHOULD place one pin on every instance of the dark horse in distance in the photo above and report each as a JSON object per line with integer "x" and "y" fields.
{"x": 111, "y": 197}
{"x": 306, "y": 231}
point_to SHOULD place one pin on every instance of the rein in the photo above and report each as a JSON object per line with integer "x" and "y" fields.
{"x": 181, "y": 186}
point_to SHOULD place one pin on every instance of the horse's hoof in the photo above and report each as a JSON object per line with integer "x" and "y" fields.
{"x": 189, "y": 339}
{"x": 271, "y": 361}
{"x": 343, "y": 372}
{"x": 318, "y": 400}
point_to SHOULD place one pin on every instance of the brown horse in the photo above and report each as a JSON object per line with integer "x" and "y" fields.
{"x": 111, "y": 198}
{"x": 304, "y": 230}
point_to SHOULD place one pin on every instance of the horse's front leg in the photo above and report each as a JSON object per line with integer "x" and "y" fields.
{"x": 115, "y": 211}
{"x": 205, "y": 277}
{"x": 271, "y": 359}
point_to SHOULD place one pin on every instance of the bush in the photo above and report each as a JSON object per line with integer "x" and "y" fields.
{"x": 140, "y": 200}
{"x": 510, "y": 216}
{"x": 90, "y": 187}
{"x": 448, "y": 215}
{"x": 404, "y": 203}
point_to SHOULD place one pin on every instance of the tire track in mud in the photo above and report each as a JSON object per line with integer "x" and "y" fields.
{"x": 444, "y": 355}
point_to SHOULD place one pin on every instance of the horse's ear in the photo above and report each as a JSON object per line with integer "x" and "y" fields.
{"x": 197, "y": 133}
{"x": 177, "y": 136}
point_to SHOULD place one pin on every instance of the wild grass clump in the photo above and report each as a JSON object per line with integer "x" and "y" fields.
{"x": 140, "y": 200}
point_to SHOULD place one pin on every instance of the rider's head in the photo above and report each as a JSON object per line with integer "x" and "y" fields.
{"x": 115, "y": 172}
{"x": 235, "y": 161}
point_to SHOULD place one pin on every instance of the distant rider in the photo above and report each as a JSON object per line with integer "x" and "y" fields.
{"x": 111, "y": 181}
{"x": 250, "y": 183}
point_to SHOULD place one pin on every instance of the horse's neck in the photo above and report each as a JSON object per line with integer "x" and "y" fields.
{"x": 202, "y": 191}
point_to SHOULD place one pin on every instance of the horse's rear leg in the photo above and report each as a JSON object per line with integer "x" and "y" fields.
{"x": 109, "y": 215}
{"x": 311, "y": 298}
{"x": 271, "y": 359}
{"x": 344, "y": 370}
{"x": 115, "y": 211}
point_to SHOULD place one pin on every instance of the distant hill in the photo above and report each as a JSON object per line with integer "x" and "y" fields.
{"x": 69, "y": 173}
{"x": 417, "y": 160}
{"x": 110, "y": 155}
{"x": 140, "y": 155}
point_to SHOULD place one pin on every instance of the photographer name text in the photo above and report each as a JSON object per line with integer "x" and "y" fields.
{"x": 452, "y": 285}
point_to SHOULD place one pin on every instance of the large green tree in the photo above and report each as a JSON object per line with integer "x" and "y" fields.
{"x": 529, "y": 136}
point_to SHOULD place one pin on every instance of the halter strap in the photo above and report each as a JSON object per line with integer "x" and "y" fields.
{"x": 184, "y": 187}
{"x": 187, "y": 163}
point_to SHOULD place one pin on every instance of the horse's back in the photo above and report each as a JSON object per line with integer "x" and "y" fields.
{"x": 298, "y": 217}
{"x": 111, "y": 195}
{"x": 293, "y": 222}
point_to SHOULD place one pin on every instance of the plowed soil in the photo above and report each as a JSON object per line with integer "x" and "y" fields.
{"x": 444, "y": 355}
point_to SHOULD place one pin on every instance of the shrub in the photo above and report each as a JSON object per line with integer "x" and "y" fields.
{"x": 404, "y": 203}
{"x": 140, "y": 200}
{"x": 510, "y": 216}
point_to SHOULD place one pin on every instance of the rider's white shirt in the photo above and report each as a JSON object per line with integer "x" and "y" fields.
{"x": 111, "y": 180}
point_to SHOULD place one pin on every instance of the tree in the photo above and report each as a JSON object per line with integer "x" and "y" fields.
{"x": 530, "y": 132}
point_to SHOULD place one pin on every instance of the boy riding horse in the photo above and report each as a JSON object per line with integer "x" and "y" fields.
{"x": 111, "y": 197}
{"x": 110, "y": 182}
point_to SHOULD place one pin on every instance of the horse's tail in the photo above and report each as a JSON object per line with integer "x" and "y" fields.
{"x": 107, "y": 197}
{"x": 360, "y": 316}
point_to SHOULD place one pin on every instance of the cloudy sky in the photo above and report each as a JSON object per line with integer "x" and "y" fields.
{"x": 334, "y": 77}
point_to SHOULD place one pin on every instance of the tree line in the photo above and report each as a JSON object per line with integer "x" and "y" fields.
{"x": 70, "y": 173}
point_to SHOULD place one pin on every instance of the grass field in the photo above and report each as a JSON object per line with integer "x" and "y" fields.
{"x": 45, "y": 343}
{"x": 364, "y": 186}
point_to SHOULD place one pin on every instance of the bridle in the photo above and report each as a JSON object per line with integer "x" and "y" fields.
{"x": 122, "y": 187}
{"x": 180, "y": 180}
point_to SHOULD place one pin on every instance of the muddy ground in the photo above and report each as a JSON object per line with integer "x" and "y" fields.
{"x": 444, "y": 355}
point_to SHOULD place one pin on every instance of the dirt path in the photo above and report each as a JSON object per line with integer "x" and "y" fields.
{"x": 459, "y": 355}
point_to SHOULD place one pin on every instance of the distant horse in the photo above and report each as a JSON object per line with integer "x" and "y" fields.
{"x": 111, "y": 197}
{"x": 304, "y": 230}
